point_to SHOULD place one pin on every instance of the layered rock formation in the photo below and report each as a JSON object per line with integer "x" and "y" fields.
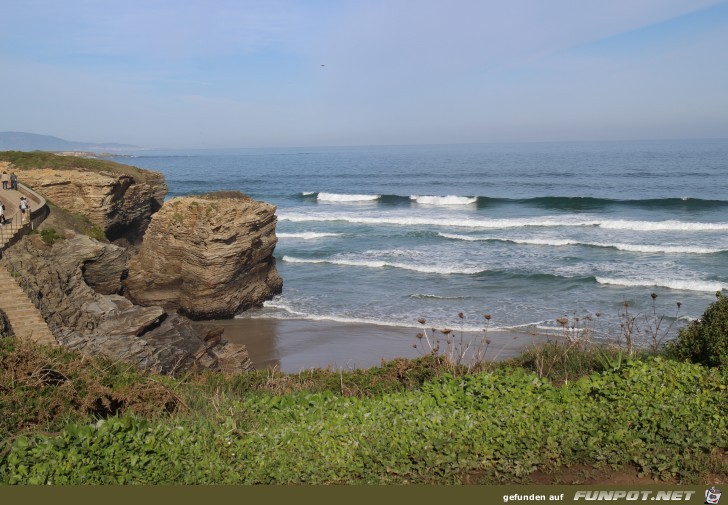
{"x": 207, "y": 257}
{"x": 119, "y": 203}
{"x": 77, "y": 281}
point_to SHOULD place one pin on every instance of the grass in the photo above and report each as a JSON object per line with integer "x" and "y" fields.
{"x": 42, "y": 159}
{"x": 70, "y": 419}
{"x": 61, "y": 221}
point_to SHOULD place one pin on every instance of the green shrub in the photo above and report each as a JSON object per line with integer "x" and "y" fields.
{"x": 705, "y": 340}
{"x": 50, "y": 236}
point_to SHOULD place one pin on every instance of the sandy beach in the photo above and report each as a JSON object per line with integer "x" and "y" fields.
{"x": 293, "y": 345}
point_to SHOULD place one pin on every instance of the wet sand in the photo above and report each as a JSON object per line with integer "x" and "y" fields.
{"x": 293, "y": 345}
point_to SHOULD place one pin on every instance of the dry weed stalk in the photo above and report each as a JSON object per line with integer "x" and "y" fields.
{"x": 461, "y": 352}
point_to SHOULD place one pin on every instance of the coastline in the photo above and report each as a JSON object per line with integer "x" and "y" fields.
{"x": 293, "y": 345}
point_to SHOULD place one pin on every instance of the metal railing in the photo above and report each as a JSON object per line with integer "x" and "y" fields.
{"x": 23, "y": 280}
{"x": 16, "y": 226}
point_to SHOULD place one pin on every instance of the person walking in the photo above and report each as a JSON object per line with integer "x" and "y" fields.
{"x": 5, "y": 178}
{"x": 13, "y": 181}
{"x": 24, "y": 209}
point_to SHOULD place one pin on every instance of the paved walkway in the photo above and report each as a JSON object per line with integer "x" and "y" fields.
{"x": 11, "y": 199}
{"x": 25, "y": 319}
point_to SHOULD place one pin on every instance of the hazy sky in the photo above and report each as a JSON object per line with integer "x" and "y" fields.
{"x": 224, "y": 73}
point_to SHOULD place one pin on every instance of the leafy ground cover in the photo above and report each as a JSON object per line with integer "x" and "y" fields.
{"x": 665, "y": 418}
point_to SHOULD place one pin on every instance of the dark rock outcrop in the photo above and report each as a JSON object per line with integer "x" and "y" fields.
{"x": 207, "y": 257}
{"x": 5, "y": 329}
{"x": 96, "y": 322}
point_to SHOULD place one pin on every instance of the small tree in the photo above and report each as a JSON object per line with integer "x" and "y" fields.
{"x": 705, "y": 340}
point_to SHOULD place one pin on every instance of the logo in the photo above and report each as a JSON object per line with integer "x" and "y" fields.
{"x": 712, "y": 496}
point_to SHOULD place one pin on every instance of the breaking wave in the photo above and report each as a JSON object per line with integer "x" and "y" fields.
{"x": 308, "y": 235}
{"x": 335, "y": 197}
{"x": 444, "y": 200}
{"x": 685, "y": 285}
{"x": 645, "y": 248}
{"x": 426, "y": 269}
{"x": 547, "y": 221}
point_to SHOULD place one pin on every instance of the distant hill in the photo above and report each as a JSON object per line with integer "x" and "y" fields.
{"x": 21, "y": 141}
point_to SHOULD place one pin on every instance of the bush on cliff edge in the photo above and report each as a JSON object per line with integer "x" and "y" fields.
{"x": 705, "y": 340}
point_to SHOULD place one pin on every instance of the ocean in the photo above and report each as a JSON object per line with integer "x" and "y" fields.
{"x": 526, "y": 233}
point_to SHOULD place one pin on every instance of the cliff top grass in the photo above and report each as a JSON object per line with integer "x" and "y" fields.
{"x": 42, "y": 159}
{"x": 221, "y": 195}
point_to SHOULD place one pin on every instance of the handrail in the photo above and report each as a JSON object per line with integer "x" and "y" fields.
{"x": 37, "y": 212}
{"x": 35, "y": 296}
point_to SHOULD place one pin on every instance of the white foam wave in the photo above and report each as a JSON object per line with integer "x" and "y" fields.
{"x": 444, "y": 200}
{"x": 463, "y": 222}
{"x": 670, "y": 225}
{"x": 335, "y": 197}
{"x": 468, "y": 222}
{"x": 294, "y": 314}
{"x": 646, "y": 248}
{"x": 307, "y": 235}
{"x": 662, "y": 248}
{"x": 426, "y": 269}
{"x": 686, "y": 285}
{"x": 437, "y": 297}
{"x": 308, "y": 193}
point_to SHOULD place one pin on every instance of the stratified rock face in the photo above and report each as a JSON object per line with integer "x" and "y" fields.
{"x": 97, "y": 321}
{"x": 117, "y": 203}
{"x": 207, "y": 256}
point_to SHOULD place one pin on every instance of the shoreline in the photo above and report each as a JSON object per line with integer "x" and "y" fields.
{"x": 293, "y": 345}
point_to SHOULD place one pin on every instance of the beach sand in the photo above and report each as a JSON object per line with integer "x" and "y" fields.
{"x": 293, "y": 345}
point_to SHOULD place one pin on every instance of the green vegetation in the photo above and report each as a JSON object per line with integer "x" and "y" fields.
{"x": 50, "y": 236}
{"x": 399, "y": 423}
{"x": 61, "y": 219}
{"x": 705, "y": 340}
{"x": 224, "y": 195}
{"x": 43, "y": 159}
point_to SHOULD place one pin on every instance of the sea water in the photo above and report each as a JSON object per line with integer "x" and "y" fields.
{"x": 526, "y": 233}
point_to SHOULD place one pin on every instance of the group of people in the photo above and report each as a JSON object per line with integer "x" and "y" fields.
{"x": 10, "y": 181}
{"x": 24, "y": 211}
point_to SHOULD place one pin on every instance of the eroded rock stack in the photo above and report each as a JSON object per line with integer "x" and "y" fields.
{"x": 207, "y": 257}
{"x": 119, "y": 203}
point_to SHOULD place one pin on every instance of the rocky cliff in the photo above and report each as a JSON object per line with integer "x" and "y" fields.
{"x": 119, "y": 203}
{"x": 78, "y": 280}
{"x": 207, "y": 257}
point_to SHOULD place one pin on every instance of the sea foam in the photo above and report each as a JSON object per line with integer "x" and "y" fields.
{"x": 294, "y": 314}
{"x": 456, "y": 222}
{"x": 335, "y": 197}
{"x": 685, "y": 285}
{"x": 426, "y": 269}
{"x": 502, "y": 223}
{"x": 645, "y": 248}
{"x": 444, "y": 200}
{"x": 308, "y": 235}
{"x": 670, "y": 225}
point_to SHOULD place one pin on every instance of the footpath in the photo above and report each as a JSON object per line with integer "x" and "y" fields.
{"x": 24, "y": 317}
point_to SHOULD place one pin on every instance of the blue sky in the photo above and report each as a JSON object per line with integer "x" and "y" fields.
{"x": 223, "y": 73}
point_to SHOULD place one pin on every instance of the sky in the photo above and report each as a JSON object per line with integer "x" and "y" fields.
{"x": 273, "y": 73}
